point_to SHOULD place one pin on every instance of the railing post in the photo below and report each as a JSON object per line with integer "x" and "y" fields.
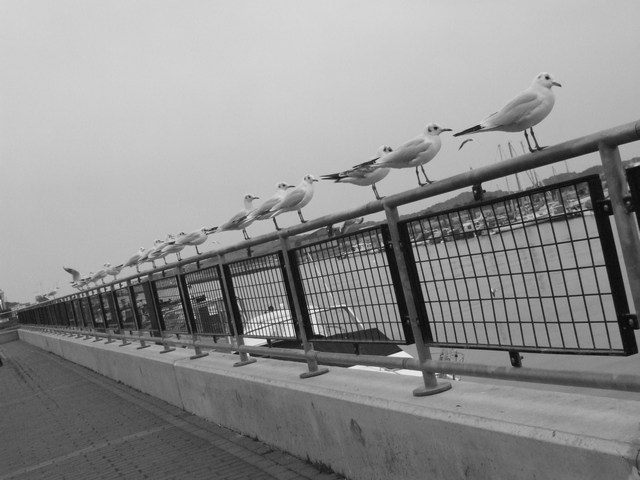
{"x": 312, "y": 363}
{"x": 624, "y": 219}
{"x": 431, "y": 385}
{"x": 245, "y": 359}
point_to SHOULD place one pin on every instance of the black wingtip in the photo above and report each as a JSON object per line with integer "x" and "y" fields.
{"x": 332, "y": 176}
{"x": 468, "y": 130}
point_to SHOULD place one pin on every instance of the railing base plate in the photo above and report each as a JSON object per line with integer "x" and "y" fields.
{"x": 167, "y": 350}
{"x": 245, "y": 362}
{"x": 425, "y": 391}
{"x": 320, "y": 371}
{"x": 199, "y": 355}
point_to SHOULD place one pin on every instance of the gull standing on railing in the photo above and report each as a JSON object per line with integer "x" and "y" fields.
{"x": 522, "y": 112}
{"x": 133, "y": 260}
{"x": 113, "y": 271}
{"x": 240, "y": 221}
{"x": 295, "y": 199}
{"x": 364, "y": 174}
{"x": 263, "y": 212}
{"x": 99, "y": 275}
{"x": 193, "y": 239}
{"x": 173, "y": 247}
{"x": 415, "y": 152}
{"x": 157, "y": 252}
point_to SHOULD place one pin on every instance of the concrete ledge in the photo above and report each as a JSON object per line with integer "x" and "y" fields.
{"x": 8, "y": 335}
{"x": 366, "y": 425}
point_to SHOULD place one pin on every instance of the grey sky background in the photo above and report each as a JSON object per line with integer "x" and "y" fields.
{"x": 122, "y": 121}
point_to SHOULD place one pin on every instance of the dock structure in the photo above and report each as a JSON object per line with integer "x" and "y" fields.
{"x": 414, "y": 303}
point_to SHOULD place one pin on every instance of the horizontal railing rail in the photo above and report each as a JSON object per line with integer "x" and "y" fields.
{"x": 288, "y": 287}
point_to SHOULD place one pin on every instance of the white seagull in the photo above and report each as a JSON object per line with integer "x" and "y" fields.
{"x": 195, "y": 238}
{"x": 75, "y": 274}
{"x": 415, "y": 152}
{"x": 264, "y": 212}
{"x": 113, "y": 271}
{"x": 522, "y": 112}
{"x": 133, "y": 260}
{"x": 99, "y": 275}
{"x": 240, "y": 221}
{"x": 295, "y": 199}
{"x": 364, "y": 174}
{"x": 173, "y": 247}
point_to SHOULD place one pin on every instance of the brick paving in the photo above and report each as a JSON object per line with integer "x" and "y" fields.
{"x": 59, "y": 420}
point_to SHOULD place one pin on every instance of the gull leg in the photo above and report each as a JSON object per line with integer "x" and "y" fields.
{"x": 375, "y": 190}
{"x": 197, "y": 251}
{"x": 275, "y": 223}
{"x": 418, "y": 176}
{"x": 301, "y": 217}
{"x": 246, "y": 235}
{"x": 425, "y": 174}
{"x": 528, "y": 143}
{"x": 538, "y": 147}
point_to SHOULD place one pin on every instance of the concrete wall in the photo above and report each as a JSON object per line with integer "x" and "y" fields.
{"x": 8, "y": 335}
{"x": 367, "y": 425}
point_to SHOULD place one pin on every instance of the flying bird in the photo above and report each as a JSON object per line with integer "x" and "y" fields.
{"x": 240, "y": 221}
{"x": 295, "y": 199}
{"x": 415, "y": 152}
{"x": 522, "y": 112}
{"x": 264, "y": 212}
{"x": 193, "y": 239}
{"x": 364, "y": 174}
{"x": 75, "y": 274}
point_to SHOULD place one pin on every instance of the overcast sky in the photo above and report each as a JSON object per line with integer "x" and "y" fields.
{"x": 122, "y": 121}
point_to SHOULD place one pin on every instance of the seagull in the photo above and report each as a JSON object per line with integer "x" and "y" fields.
{"x": 99, "y": 275}
{"x": 415, "y": 152}
{"x": 264, "y": 212}
{"x": 240, "y": 221}
{"x": 522, "y": 112}
{"x": 75, "y": 274}
{"x": 195, "y": 238}
{"x": 295, "y": 199}
{"x": 134, "y": 259}
{"x": 364, "y": 174}
{"x": 173, "y": 247}
{"x": 113, "y": 271}
{"x": 156, "y": 252}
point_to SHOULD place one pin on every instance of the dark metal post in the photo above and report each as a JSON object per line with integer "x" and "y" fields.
{"x": 431, "y": 385}
{"x": 625, "y": 220}
{"x": 234, "y": 312}
{"x": 312, "y": 363}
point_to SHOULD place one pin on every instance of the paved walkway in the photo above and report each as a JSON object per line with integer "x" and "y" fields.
{"x": 61, "y": 421}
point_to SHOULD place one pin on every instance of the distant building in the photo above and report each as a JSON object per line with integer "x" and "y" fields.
{"x": 3, "y": 304}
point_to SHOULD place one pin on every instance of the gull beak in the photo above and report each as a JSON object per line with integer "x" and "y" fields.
{"x": 556, "y": 84}
{"x": 446, "y": 130}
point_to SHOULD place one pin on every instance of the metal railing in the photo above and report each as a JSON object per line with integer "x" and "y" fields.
{"x": 496, "y": 274}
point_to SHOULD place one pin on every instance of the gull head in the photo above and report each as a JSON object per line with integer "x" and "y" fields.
{"x": 310, "y": 179}
{"x": 284, "y": 186}
{"x": 384, "y": 149}
{"x": 546, "y": 80}
{"x": 249, "y": 198}
{"x": 435, "y": 129}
